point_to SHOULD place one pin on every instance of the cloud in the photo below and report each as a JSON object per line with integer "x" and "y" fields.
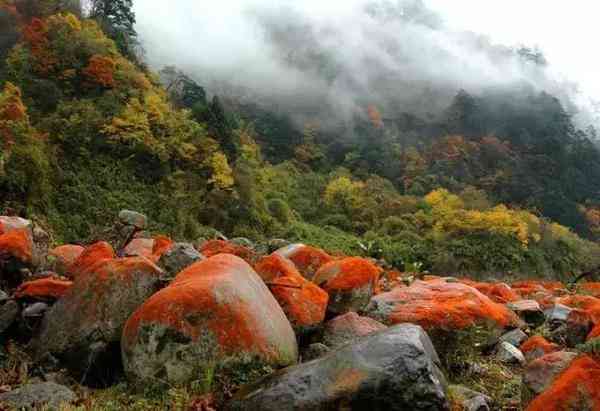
{"x": 333, "y": 58}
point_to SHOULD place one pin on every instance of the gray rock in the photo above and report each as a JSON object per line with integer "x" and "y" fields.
{"x": 510, "y": 354}
{"x": 133, "y": 218}
{"x": 395, "y": 369}
{"x": 243, "y": 242}
{"x": 35, "y": 310}
{"x": 314, "y": 351}
{"x": 178, "y": 257}
{"x": 3, "y": 297}
{"x": 9, "y": 312}
{"x": 83, "y": 329}
{"x": 515, "y": 337}
{"x": 32, "y": 396}
{"x": 529, "y": 311}
{"x": 470, "y": 400}
{"x": 558, "y": 313}
{"x": 277, "y": 243}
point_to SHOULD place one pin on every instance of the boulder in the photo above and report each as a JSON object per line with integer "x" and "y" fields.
{"x": 35, "y": 310}
{"x": 49, "y": 395}
{"x": 394, "y": 369}
{"x": 178, "y": 257}
{"x": 92, "y": 255}
{"x": 439, "y": 305}
{"x": 63, "y": 257}
{"x": 214, "y": 247}
{"x": 303, "y": 302}
{"x": 540, "y": 373}
{"x": 16, "y": 253}
{"x": 348, "y": 328}
{"x": 557, "y": 314}
{"x": 536, "y": 347}
{"x": 9, "y": 312}
{"x": 592, "y": 289}
{"x": 216, "y": 314}
{"x": 133, "y": 218}
{"x": 314, "y": 351}
{"x": 139, "y": 247}
{"x": 497, "y": 292}
{"x": 595, "y": 333}
{"x": 83, "y": 329}
{"x": 8, "y": 224}
{"x": 528, "y": 310}
{"x": 45, "y": 289}
{"x": 306, "y": 258}
{"x": 574, "y": 331}
{"x": 350, "y": 283}
{"x": 509, "y": 354}
{"x": 576, "y": 388}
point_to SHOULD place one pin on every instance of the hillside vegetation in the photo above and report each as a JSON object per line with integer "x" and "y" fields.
{"x": 504, "y": 183}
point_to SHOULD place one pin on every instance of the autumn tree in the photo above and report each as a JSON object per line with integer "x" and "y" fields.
{"x": 117, "y": 18}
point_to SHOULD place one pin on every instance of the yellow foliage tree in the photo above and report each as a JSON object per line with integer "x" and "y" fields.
{"x": 222, "y": 174}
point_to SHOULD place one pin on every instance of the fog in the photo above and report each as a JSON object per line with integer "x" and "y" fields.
{"x": 332, "y": 59}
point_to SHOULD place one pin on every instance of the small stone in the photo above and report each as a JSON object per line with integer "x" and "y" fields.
{"x": 529, "y": 311}
{"x": 133, "y": 218}
{"x": 32, "y": 396}
{"x": 314, "y": 351}
{"x": 470, "y": 400}
{"x": 9, "y": 312}
{"x": 510, "y": 354}
{"x": 515, "y": 337}
{"x": 35, "y": 310}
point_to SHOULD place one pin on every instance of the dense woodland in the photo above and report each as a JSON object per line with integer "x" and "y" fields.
{"x": 502, "y": 182}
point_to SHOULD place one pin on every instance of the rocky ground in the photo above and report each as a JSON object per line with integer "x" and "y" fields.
{"x": 140, "y": 322}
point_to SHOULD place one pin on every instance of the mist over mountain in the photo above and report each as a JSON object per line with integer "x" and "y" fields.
{"x": 332, "y": 61}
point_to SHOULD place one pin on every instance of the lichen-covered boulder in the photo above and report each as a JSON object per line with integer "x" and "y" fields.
{"x": 139, "y": 247}
{"x": 576, "y": 388}
{"x": 9, "y": 223}
{"x": 306, "y": 258}
{"x": 91, "y": 256}
{"x": 348, "y": 328}
{"x": 303, "y": 302}
{"x": 216, "y": 313}
{"x": 83, "y": 329}
{"x": 440, "y": 305}
{"x": 62, "y": 257}
{"x": 350, "y": 283}
{"x": 16, "y": 253}
{"x": 44, "y": 289}
{"x": 395, "y": 369}
{"x": 540, "y": 373}
{"x": 133, "y": 218}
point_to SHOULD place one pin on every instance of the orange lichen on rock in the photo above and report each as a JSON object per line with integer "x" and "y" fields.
{"x": 161, "y": 245}
{"x": 43, "y": 289}
{"x": 577, "y": 388}
{"x": 440, "y": 305}
{"x": 306, "y": 258}
{"x": 538, "y": 346}
{"x": 303, "y": 302}
{"x": 497, "y": 292}
{"x": 90, "y": 257}
{"x": 17, "y": 244}
{"x": 595, "y": 333}
{"x": 213, "y": 247}
{"x": 64, "y": 256}
{"x": 587, "y": 303}
{"x": 347, "y": 274}
{"x": 592, "y": 289}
